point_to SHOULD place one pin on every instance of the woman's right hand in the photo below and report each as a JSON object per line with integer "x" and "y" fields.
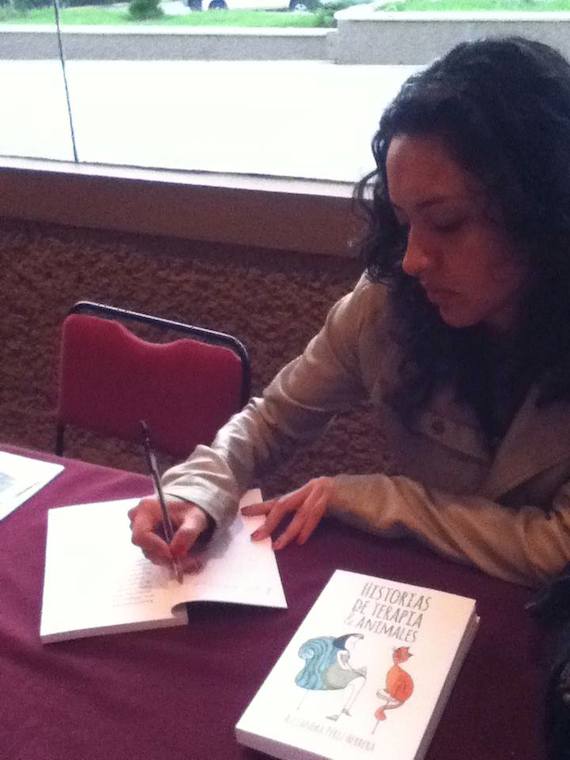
{"x": 189, "y": 523}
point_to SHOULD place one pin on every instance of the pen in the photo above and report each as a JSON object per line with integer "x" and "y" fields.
{"x": 166, "y": 521}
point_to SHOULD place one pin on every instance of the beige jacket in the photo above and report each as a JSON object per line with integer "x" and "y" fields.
{"x": 508, "y": 514}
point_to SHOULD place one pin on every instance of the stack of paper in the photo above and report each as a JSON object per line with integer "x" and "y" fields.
{"x": 20, "y": 478}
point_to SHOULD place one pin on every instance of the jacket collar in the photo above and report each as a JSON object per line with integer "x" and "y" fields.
{"x": 537, "y": 439}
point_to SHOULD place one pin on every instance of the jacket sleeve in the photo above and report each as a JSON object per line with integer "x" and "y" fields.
{"x": 525, "y": 545}
{"x": 295, "y": 408}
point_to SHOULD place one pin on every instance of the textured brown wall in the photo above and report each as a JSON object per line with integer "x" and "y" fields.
{"x": 273, "y": 301}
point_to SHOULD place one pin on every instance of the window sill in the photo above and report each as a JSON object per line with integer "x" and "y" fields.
{"x": 307, "y": 216}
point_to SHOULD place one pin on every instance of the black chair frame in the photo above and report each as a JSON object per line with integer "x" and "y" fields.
{"x": 192, "y": 331}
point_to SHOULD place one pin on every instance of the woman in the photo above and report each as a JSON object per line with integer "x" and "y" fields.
{"x": 458, "y": 332}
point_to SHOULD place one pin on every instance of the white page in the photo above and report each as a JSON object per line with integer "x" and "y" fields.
{"x": 97, "y": 582}
{"x": 236, "y": 568}
{"x": 22, "y": 477}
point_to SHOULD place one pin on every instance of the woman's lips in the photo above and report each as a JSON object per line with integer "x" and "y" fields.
{"x": 438, "y": 295}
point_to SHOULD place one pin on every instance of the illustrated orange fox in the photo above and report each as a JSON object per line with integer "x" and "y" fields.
{"x": 399, "y": 685}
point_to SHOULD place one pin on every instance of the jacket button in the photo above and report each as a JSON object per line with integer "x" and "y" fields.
{"x": 438, "y": 426}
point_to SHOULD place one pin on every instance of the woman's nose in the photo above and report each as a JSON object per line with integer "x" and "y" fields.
{"x": 417, "y": 257}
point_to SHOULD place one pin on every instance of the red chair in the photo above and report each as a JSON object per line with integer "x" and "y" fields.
{"x": 110, "y": 379}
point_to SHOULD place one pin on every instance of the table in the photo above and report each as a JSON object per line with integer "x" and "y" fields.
{"x": 177, "y": 693}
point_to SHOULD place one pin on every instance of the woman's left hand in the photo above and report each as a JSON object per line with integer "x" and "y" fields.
{"x": 309, "y": 503}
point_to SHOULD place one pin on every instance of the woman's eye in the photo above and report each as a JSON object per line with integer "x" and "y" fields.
{"x": 447, "y": 224}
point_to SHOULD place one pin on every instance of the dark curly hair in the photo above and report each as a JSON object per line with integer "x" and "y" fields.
{"x": 502, "y": 108}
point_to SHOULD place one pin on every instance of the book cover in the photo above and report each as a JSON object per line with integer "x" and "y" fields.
{"x": 96, "y": 582}
{"x": 366, "y": 675}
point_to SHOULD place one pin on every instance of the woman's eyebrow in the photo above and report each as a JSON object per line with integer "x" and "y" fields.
{"x": 429, "y": 202}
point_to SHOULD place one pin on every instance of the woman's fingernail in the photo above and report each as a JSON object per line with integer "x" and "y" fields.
{"x": 255, "y": 534}
{"x": 192, "y": 565}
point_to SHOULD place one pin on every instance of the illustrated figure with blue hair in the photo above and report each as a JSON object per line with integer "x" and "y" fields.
{"x": 328, "y": 668}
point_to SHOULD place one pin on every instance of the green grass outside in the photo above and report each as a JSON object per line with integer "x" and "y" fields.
{"x": 478, "y": 5}
{"x": 101, "y": 15}
{"x": 112, "y": 16}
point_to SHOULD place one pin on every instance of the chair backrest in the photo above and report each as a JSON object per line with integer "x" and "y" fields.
{"x": 110, "y": 379}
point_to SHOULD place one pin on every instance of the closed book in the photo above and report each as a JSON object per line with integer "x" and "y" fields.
{"x": 366, "y": 675}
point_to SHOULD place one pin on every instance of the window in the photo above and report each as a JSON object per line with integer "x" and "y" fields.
{"x": 131, "y": 95}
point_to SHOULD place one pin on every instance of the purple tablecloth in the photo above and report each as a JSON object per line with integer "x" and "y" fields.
{"x": 177, "y": 693}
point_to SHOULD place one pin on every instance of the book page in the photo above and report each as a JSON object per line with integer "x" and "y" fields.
{"x": 97, "y": 582}
{"x": 22, "y": 477}
{"x": 236, "y": 569}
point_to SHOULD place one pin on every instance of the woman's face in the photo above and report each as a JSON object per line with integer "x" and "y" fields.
{"x": 457, "y": 247}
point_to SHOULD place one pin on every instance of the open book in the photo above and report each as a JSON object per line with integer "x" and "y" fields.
{"x": 22, "y": 477}
{"x": 97, "y": 582}
{"x": 366, "y": 675}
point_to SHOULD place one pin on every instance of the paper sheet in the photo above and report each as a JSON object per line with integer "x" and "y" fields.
{"x": 22, "y": 477}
